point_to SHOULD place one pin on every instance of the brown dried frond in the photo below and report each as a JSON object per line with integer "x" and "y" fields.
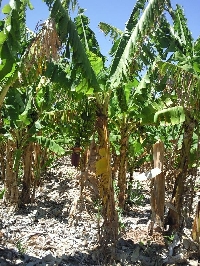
{"x": 185, "y": 86}
{"x": 48, "y": 41}
{"x": 44, "y": 48}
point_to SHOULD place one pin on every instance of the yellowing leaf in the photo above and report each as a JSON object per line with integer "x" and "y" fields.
{"x": 101, "y": 166}
{"x": 102, "y": 152}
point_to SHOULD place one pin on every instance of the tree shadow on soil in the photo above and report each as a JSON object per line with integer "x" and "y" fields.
{"x": 46, "y": 207}
{"x": 53, "y": 210}
{"x": 127, "y": 253}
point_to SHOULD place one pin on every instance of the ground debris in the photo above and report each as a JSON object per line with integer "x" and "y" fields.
{"x": 58, "y": 230}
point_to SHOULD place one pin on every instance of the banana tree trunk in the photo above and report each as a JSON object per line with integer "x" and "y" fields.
{"x": 123, "y": 165}
{"x": 91, "y": 181}
{"x": 158, "y": 187}
{"x": 3, "y": 160}
{"x": 37, "y": 167}
{"x": 43, "y": 160}
{"x": 109, "y": 228}
{"x": 83, "y": 168}
{"x": 130, "y": 183}
{"x": 196, "y": 225}
{"x": 11, "y": 194}
{"x": 27, "y": 178}
{"x": 174, "y": 218}
{"x": 115, "y": 164}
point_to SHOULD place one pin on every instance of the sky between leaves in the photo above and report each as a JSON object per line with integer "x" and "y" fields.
{"x": 114, "y": 12}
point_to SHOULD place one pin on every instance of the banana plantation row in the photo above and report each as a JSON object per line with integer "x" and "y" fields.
{"x": 57, "y": 90}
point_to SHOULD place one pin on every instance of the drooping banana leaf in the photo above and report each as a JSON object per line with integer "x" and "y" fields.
{"x": 173, "y": 115}
{"x": 174, "y": 70}
{"x": 181, "y": 28}
{"x": 137, "y": 29}
{"x": 49, "y": 144}
{"x": 68, "y": 33}
{"x": 11, "y": 39}
{"x": 111, "y": 31}
{"x": 86, "y": 35}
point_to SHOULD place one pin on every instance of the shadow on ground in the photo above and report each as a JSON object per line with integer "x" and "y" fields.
{"x": 127, "y": 253}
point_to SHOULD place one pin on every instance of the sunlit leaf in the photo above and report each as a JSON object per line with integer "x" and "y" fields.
{"x": 173, "y": 115}
{"x": 3, "y": 37}
{"x": 6, "y": 9}
{"x": 50, "y": 144}
{"x": 96, "y": 62}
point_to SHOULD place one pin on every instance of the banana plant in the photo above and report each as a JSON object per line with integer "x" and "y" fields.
{"x": 181, "y": 109}
{"x": 23, "y": 63}
{"x": 11, "y": 44}
{"x": 123, "y": 123}
{"x": 178, "y": 96}
{"x": 96, "y": 80}
{"x": 10, "y": 47}
{"x": 131, "y": 103}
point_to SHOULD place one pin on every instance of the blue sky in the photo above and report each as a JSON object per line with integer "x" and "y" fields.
{"x": 114, "y": 12}
{"x": 117, "y": 13}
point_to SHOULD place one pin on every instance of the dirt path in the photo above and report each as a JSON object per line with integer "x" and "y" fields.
{"x": 58, "y": 230}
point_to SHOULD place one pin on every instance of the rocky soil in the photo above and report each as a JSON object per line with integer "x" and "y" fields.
{"x": 58, "y": 229}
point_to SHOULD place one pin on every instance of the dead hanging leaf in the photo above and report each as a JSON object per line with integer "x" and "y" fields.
{"x": 44, "y": 48}
{"x": 196, "y": 225}
{"x": 102, "y": 152}
{"x": 101, "y": 166}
